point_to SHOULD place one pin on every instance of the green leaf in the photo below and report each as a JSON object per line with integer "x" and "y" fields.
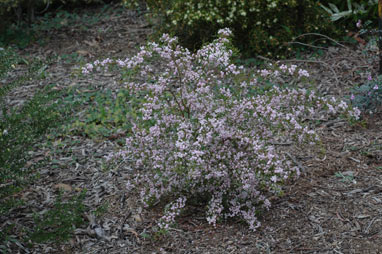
{"x": 334, "y": 8}
{"x": 327, "y": 9}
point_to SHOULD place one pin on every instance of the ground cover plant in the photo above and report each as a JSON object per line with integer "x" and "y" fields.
{"x": 107, "y": 116}
{"x": 205, "y": 129}
{"x": 17, "y": 9}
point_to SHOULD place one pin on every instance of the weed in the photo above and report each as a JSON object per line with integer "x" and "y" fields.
{"x": 6, "y": 236}
{"x": 8, "y": 59}
{"x": 249, "y": 62}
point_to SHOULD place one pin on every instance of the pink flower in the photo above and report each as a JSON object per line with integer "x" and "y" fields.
{"x": 359, "y": 23}
{"x": 303, "y": 73}
{"x": 352, "y": 97}
{"x": 369, "y": 78}
{"x": 375, "y": 87}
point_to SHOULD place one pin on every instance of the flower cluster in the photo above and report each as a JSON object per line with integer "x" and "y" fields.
{"x": 276, "y": 71}
{"x": 206, "y": 132}
{"x": 89, "y": 67}
{"x": 172, "y": 210}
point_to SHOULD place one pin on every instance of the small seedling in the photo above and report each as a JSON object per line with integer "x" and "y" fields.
{"x": 101, "y": 210}
{"x": 347, "y": 177}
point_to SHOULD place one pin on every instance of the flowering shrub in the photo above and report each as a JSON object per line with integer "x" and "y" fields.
{"x": 260, "y": 27}
{"x": 207, "y": 126}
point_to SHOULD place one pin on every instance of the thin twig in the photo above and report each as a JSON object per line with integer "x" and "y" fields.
{"x": 306, "y": 44}
{"x": 45, "y": 9}
{"x": 265, "y": 58}
{"x": 123, "y": 223}
{"x": 325, "y": 36}
{"x": 280, "y": 144}
{"x": 302, "y": 168}
{"x": 366, "y": 231}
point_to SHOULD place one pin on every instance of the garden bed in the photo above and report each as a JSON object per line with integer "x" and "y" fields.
{"x": 334, "y": 207}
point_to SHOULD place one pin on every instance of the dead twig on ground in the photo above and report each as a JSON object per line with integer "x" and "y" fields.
{"x": 325, "y": 36}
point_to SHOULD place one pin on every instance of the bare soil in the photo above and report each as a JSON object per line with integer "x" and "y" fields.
{"x": 334, "y": 207}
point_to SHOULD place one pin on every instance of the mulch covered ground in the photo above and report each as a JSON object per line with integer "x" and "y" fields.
{"x": 334, "y": 207}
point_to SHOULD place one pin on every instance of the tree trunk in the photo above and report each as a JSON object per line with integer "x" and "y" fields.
{"x": 300, "y": 17}
{"x": 30, "y": 11}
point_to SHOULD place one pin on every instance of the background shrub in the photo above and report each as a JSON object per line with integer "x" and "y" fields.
{"x": 260, "y": 27}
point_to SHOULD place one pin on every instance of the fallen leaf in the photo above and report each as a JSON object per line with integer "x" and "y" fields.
{"x": 63, "y": 186}
{"x": 137, "y": 218}
{"x": 83, "y": 53}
